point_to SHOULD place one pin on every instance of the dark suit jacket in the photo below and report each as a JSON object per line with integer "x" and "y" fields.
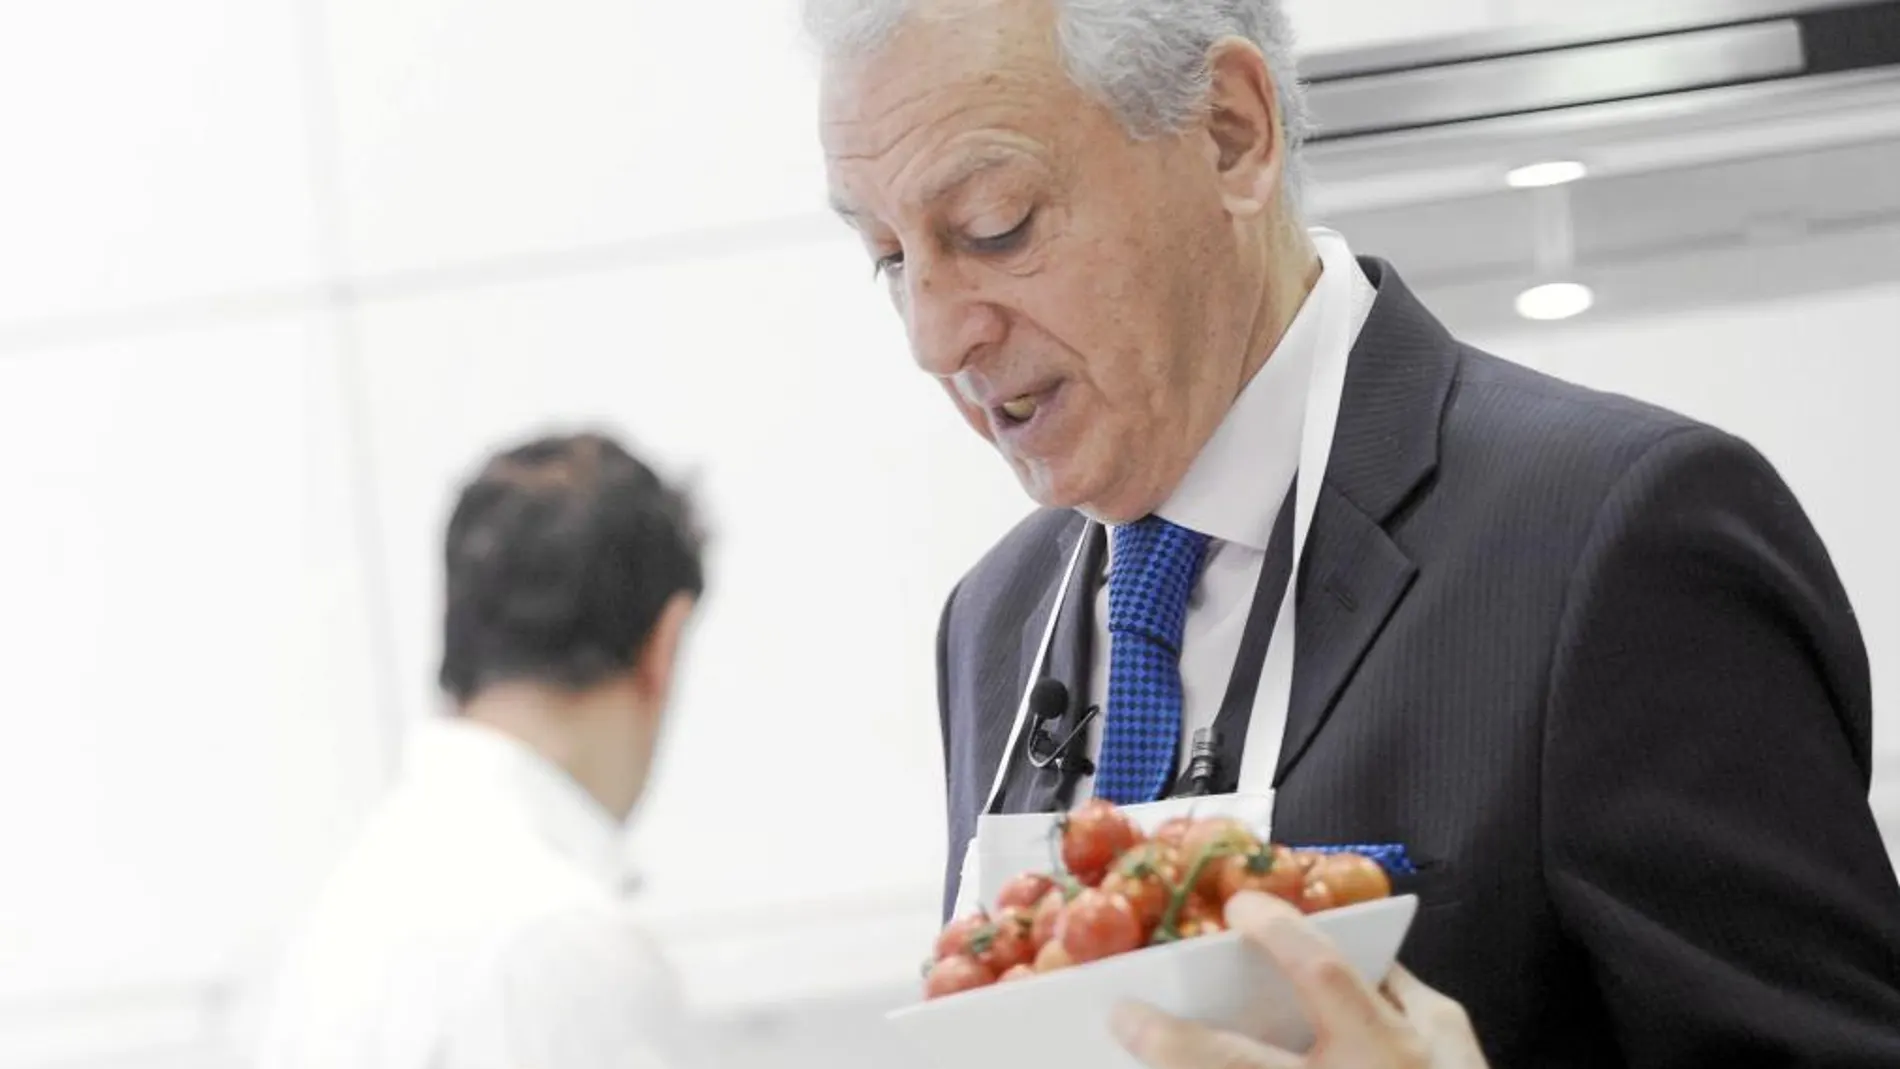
{"x": 1589, "y": 661}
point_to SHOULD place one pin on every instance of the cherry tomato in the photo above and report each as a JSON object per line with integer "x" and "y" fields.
{"x": 1004, "y": 943}
{"x": 1146, "y": 876}
{"x": 956, "y": 974}
{"x": 1316, "y": 897}
{"x": 1093, "y": 837}
{"x": 1024, "y": 891}
{"x": 1269, "y": 869}
{"x": 1222, "y": 834}
{"x": 1019, "y": 972}
{"x": 1207, "y": 842}
{"x": 1043, "y": 927}
{"x": 955, "y": 939}
{"x": 1174, "y": 832}
{"x": 1200, "y": 917}
{"x": 1023, "y": 917}
{"x": 1353, "y": 878}
{"x": 1098, "y": 925}
{"x": 1052, "y": 957}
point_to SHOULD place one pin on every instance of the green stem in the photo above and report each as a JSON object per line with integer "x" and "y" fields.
{"x": 1169, "y": 929}
{"x": 983, "y": 940}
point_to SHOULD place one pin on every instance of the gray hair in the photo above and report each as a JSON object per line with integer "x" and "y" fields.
{"x": 1145, "y": 59}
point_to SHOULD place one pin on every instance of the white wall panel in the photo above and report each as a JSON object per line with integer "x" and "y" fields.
{"x": 845, "y": 499}
{"x": 474, "y": 131}
{"x": 153, "y": 152}
{"x": 190, "y": 720}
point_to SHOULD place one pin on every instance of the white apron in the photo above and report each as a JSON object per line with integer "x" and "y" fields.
{"x": 1008, "y": 845}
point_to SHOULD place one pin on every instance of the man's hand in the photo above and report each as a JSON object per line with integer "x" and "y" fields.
{"x": 1406, "y": 1025}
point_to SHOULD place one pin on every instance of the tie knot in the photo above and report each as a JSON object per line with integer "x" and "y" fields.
{"x": 1155, "y": 564}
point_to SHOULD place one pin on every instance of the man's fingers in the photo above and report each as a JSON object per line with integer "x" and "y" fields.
{"x": 1164, "y": 1042}
{"x": 1252, "y": 911}
{"x": 1334, "y": 998}
{"x": 1430, "y": 1010}
{"x": 1401, "y": 987}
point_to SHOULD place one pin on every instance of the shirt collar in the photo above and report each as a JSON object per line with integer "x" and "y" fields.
{"x": 1258, "y": 442}
{"x": 462, "y": 755}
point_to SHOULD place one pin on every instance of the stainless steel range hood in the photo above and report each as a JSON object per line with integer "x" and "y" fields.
{"x": 1682, "y": 85}
{"x": 1637, "y": 56}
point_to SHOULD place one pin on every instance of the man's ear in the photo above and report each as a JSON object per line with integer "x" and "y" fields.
{"x": 1244, "y": 127}
{"x": 654, "y": 666}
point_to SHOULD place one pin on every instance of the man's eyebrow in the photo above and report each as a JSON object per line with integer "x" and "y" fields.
{"x": 843, "y": 209}
{"x": 967, "y": 168}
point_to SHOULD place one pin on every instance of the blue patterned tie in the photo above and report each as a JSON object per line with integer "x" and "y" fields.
{"x": 1154, "y": 567}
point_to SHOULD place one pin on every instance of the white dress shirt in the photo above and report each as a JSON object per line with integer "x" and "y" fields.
{"x": 1232, "y": 493}
{"x": 477, "y": 925}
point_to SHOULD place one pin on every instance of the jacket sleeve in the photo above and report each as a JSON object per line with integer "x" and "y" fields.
{"x": 1707, "y": 838}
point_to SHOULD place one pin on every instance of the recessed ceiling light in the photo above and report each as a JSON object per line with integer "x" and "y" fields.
{"x": 1555, "y": 300}
{"x": 1547, "y": 173}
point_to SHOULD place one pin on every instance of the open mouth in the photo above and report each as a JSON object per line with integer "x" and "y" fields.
{"x": 1019, "y": 411}
{"x": 1026, "y": 408}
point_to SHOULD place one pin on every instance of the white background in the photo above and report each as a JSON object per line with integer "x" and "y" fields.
{"x": 274, "y": 273}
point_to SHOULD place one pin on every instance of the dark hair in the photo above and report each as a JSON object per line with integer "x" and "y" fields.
{"x": 561, "y": 555}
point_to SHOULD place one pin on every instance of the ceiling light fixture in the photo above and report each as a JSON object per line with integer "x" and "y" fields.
{"x": 1555, "y": 300}
{"x": 1547, "y": 173}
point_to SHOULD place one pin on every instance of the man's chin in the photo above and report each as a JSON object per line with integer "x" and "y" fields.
{"x": 1103, "y": 504}
{"x": 1053, "y": 488}
{"x": 1043, "y": 484}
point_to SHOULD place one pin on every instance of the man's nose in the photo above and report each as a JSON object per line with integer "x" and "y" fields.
{"x": 949, "y": 319}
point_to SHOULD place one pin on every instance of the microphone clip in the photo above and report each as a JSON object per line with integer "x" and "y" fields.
{"x": 1062, "y": 754}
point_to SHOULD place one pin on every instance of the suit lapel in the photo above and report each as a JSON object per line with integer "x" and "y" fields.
{"x": 1353, "y": 575}
{"x": 1063, "y": 652}
{"x": 1030, "y": 790}
{"x": 1074, "y": 640}
{"x": 1351, "y": 579}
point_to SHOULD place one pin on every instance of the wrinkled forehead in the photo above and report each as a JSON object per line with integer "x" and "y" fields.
{"x": 991, "y": 74}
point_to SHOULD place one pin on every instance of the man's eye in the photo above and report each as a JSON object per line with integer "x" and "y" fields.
{"x": 887, "y": 265}
{"x": 1005, "y": 241}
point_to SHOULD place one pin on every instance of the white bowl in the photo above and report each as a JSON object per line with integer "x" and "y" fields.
{"x": 1061, "y": 1019}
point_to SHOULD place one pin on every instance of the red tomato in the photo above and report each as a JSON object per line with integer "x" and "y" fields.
{"x": 1174, "y": 832}
{"x": 1200, "y": 917}
{"x": 1270, "y": 869}
{"x": 1316, "y": 897}
{"x": 1052, "y": 957}
{"x": 1024, "y": 891}
{"x": 955, "y": 974}
{"x": 1098, "y": 925}
{"x": 1004, "y": 944}
{"x": 1020, "y": 972}
{"x": 1353, "y": 878}
{"x": 1222, "y": 834}
{"x": 1043, "y": 927}
{"x": 1207, "y": 842}
{"x": 955, "y": 939}
{"x": 1146, "y": 876}
{"x": 1093, "y": 837}
{"x": 1023, "y": 917}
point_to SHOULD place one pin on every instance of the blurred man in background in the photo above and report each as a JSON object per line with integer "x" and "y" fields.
{"x": 477, "y": 923}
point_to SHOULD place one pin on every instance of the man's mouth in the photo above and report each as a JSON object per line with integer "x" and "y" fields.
{"x": 1026, "y": 415}
{"x": 1020, "y": 410}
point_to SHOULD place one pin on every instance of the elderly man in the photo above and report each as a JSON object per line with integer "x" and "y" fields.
{"x": 1586, "y": 660}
